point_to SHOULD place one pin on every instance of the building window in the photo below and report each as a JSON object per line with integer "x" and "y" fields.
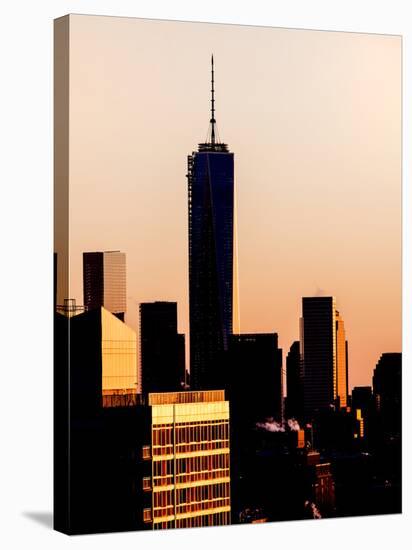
{"x": 146, "y": 452}
{"x": 147, "y": 484}
{"x": 147, "y": 515}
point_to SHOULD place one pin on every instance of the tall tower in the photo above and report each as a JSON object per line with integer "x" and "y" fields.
{"x": 324, "y": 355}
{"x": 211, "y": 204}
{"x": 104, "y": 281}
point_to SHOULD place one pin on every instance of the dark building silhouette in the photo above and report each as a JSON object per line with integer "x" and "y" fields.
{"x": 162, "y": 349}
{"x": 322, "y": 498}
{"x": 294, "y": 384}
{"x": 255, "y": 385}
{"x": 361, "y": 405}
{"x": 324, "y": 354}
{"x": 362, "y": 398}
{"x": 387, "y": 392}
{"x": 210, "y": 203}
{"x": 98, "y": 425}
{"x": 104, "y": 281}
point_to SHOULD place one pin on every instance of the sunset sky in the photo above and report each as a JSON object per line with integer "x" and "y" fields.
{"x": 314, "y": 120}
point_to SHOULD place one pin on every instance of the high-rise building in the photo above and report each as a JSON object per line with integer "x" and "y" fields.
{"x": 362, "y": 408}
{"x": 387, "y": 392}
{"x": 103, "y": 355}
{"x": 98, "y": 422}
{"x": 362, "y": 398}
{"x": 255, "y": 385}
{"x": 341, "y": 363}
{"x": 211, "y": 210}
{"x": 294, "y": 383}
{"x": 104, "y": 281}
{"x": 188, "y": 480}
{"x": 324, "y": 354}
{"x": 162, "y": 349}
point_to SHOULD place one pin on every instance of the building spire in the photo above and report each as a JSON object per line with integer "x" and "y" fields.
{"x": 213, "y": 120}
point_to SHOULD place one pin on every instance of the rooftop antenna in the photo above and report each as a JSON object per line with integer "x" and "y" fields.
{"x": 213, "y": 120}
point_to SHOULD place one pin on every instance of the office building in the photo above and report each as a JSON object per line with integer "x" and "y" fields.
{"x": 100, "y": 421}
{"x": 162, "y": 349}
{"x": 341, "y": 363}
{"x": 188, "y": 457}
{"x": 103, "y": 357}
{"x": 362, "y": 398}
{"x": 104, "y": 281}
{"x": 255, "y": 385}
{"x": 211, "y": 207}
{"x": 324, "y": 355}
{"x": 387, "y": 392}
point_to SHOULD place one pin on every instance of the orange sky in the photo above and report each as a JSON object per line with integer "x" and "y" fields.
{"x": 314, "y": 120}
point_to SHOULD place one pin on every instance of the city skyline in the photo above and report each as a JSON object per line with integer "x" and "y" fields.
{"x": 205, "y": 447}
{"x": 302, "y": 262}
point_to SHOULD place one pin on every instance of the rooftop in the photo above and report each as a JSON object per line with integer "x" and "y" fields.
{"x": 173, "y": 398}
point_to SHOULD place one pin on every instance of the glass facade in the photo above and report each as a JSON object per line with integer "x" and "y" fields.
{"x": 211, "y": 207}
{"x": 341, "y": 362}
{"x": 104, "y": 281}
{"x": 119, "y": 356}
{"x": 319, "y": 353}
{"x": 190, "y": 459}
{"x": 325, "y": 361}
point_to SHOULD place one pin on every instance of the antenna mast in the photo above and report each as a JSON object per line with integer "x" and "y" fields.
{"x": 213, "y": 120}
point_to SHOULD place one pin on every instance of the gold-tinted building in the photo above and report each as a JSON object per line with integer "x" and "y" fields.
{"x": 119, "y": 355}
{"x": 189, "y": 454}
{"x": 341, "y": 363}
{"x": 103, "y": 360}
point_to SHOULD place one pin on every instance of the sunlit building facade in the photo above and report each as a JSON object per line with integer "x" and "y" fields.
{"x": 188, "y": 475}
{"x": 103, "y": 353}
{"x": 104, "y": 281}
{"x": 119, "y": 355}
{"x": 341, "y": 363}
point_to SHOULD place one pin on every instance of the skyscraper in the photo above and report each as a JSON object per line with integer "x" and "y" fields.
{"x": 211, "y": 206}
{"x": 104, "y": 281}
{"x": 341, "y": 363}
{"x": 324, "y": 354}
{"x": 162, "y": 349}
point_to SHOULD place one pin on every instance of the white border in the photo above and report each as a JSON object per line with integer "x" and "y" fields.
{"x": 26, "y": 266}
